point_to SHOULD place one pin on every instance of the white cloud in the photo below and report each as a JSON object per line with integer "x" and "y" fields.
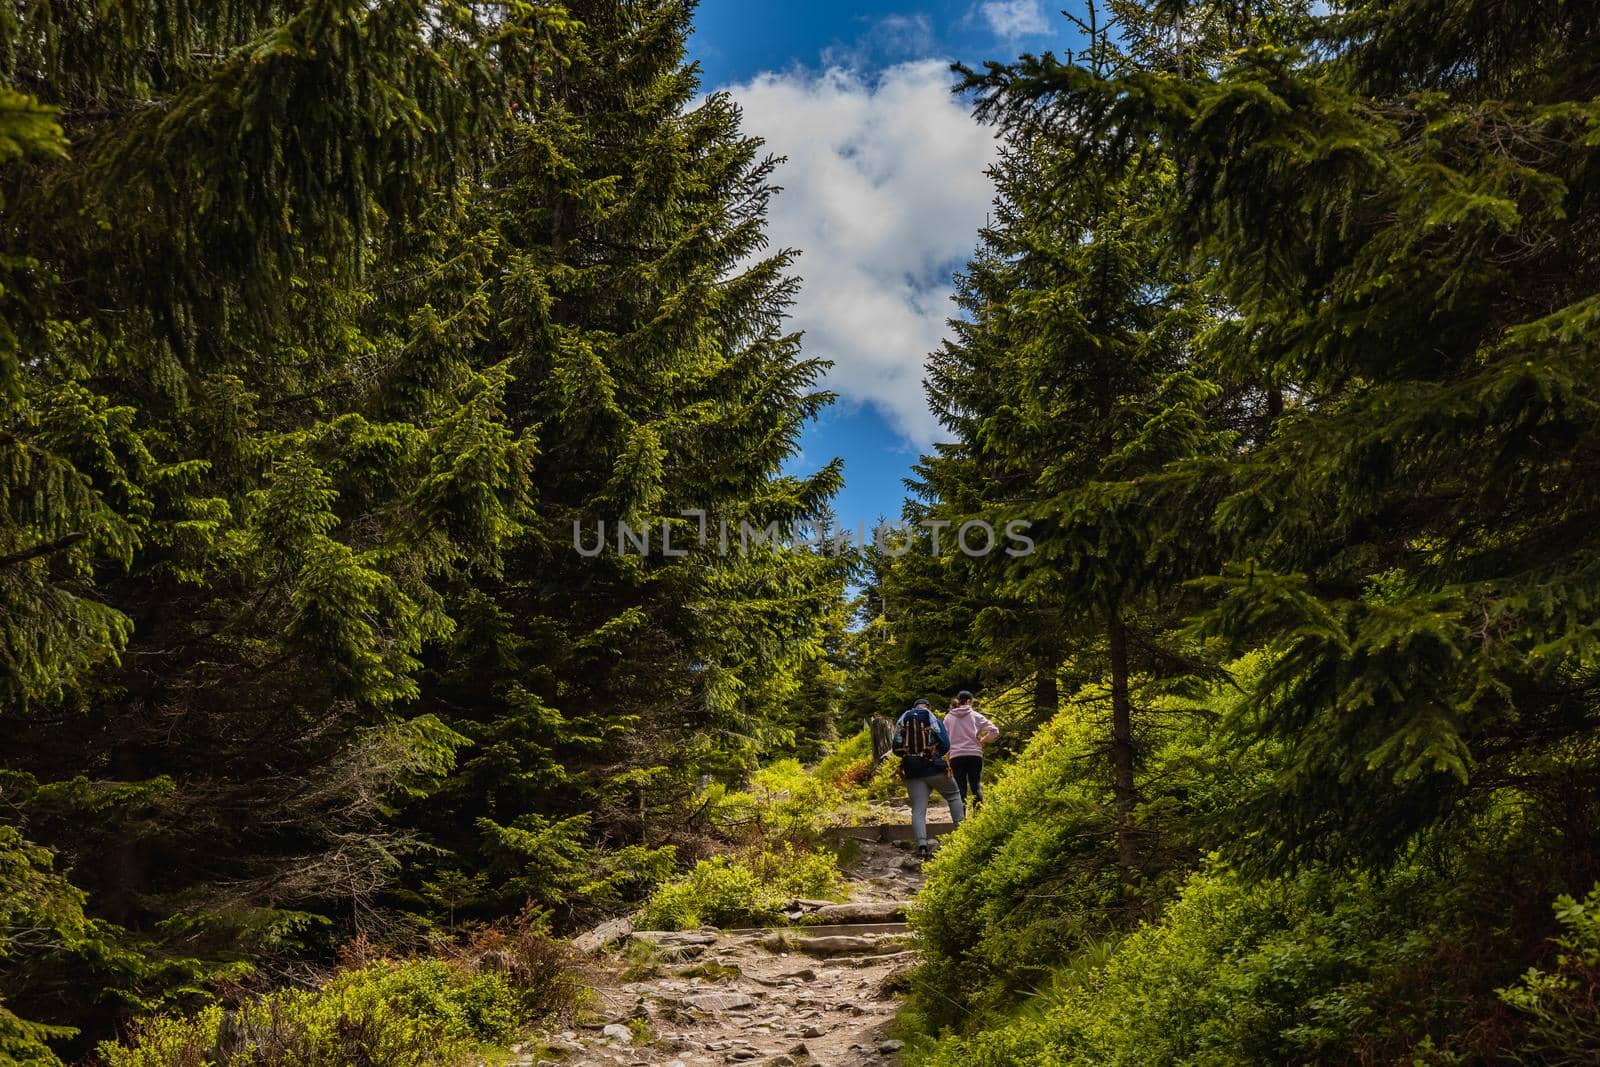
{"x": 1015, "y": 18}
{"x": 884, "y": 192}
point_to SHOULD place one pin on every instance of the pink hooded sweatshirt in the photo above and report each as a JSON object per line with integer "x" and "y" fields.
{"x": 968, "y": 730}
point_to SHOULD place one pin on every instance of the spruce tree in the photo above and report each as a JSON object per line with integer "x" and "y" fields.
{"x": 229, "y": 488}
{"x": 48, "y": 631}
{"x": 1072, "y": 376}
{"x": 642, "y": 318}
{"x": 1400, "y": 220}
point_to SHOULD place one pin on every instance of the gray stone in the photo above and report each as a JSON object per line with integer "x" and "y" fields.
{"x": 874, "y": 911}
{"x": 729, "y": 1001}
{"x": 850, "y": 929}
{"x": 618, "y": 1033}
{"x": 607, "y": 933}
{"x": 842, "y": 946}
{"x": 802, "y": 904}
{"x": 799, "y": 1056}
{"x": 682, "y": 953}
{"x": 889, "y": 1048}
{"x": 677, "y": 938}
{"x": 621, "y": 1011}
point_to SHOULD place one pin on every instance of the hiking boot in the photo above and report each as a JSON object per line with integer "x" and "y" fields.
{"x": 924, "y": 852}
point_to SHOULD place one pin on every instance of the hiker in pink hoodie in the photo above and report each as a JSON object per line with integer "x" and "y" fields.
{"x": 969, "y": 732}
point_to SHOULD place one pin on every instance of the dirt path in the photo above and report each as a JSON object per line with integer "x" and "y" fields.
{"x": 820, "y": 994}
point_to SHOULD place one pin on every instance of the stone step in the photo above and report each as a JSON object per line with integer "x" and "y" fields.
{"x": 603, "y": 936}
{"x": 847, "y": 929}
{"x": 856, "y": 944}
{"x": 812, "y": 930}
{"x": 885, "y": 833}
{"x": 865, "y": 911}
{"x": 705, "y": 936}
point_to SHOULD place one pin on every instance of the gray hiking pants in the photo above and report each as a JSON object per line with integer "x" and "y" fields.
{"x": 921, "y": 789}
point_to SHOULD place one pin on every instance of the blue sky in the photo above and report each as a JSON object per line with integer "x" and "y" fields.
{"x": 884, "y": 192}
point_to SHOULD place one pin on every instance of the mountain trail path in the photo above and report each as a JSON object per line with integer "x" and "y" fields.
{"x": 822, "y": 992}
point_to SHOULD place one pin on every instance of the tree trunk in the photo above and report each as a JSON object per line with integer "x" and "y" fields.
{"x": 1274, "y": 411}
{"x": 882, "y": 738}
{"x": 1046, "y": 691}
{"x": 122, "y": 903}
{"x": 1122, "y": 784}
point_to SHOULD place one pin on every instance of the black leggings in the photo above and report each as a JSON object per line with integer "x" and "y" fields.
{"x": 969, "y": 778}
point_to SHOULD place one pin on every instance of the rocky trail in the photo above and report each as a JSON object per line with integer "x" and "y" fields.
{"x": 820, "y": 992}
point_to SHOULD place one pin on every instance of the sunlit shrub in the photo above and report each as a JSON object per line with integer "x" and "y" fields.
{"x": 1032, "y": 877}
{"x": 787, "y": 801}
{"x": 414, "y": 1014}
{"x": 539, "y": 966}
{"x": 795, "y": 801}
{"x": 840, "y": 769}
{"x": 482, "y": 991}
{"x": 749, "y": 889}
{"x": 782, "y": 800}
{"x": 1327, "y": 966}
{"x": 793, "y": 872}
{"x": 886, "y": 782}
{"x": 1035, "y": 954}
{"x": 1012, "y": 894}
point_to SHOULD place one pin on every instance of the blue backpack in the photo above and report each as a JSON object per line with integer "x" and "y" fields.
{"x": 917, "y": 743}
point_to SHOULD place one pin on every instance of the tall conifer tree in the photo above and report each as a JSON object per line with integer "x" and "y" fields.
{"x": 1401, "y": 221}
{"x": 1072, "y": 376}
{"x": 643, "y": 320}
{"x": 227, "y": 492}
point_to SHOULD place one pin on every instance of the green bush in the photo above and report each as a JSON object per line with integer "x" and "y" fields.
{"x": 719, "y": 891}
{"x": 400, "y": 1014}
{"x": 1321, "y": 967}
{"x": 744, "y": 890}
{"x": 886, "y": 782}
{"x": 1216, "y": 981}
{"x": 539, "y": 966}
{"x": 794, "y": 801}
{"x": 1034, "y": 955}
{"x": 787, "y": 801}
{"x": 783, "y": 800}
{"x": 413, "y": 1014}
{"x": 552, "y": 863}
{"x": 1032, "y": 875}
{"x": 1031, "y": 879}
{"x": 38, "y": 906}
{"x": 1562, "y": 1006}
{"x": 839, "y": 769}
{"x": 792, "y": 872}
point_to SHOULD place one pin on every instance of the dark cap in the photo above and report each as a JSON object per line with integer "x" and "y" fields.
{"x": 922, "y": 702}
{"x": 964, "y": 696}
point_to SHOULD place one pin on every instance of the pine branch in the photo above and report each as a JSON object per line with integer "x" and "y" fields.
{"x": 48, "y": 548}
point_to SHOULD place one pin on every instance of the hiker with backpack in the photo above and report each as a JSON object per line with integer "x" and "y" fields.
{"x": 922, "y": 745}
{"x": 968, "y": 731}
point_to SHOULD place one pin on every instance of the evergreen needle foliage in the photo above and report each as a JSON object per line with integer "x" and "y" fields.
{"x": 321, "y": 323}
{"x": 1284, "y": 335}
